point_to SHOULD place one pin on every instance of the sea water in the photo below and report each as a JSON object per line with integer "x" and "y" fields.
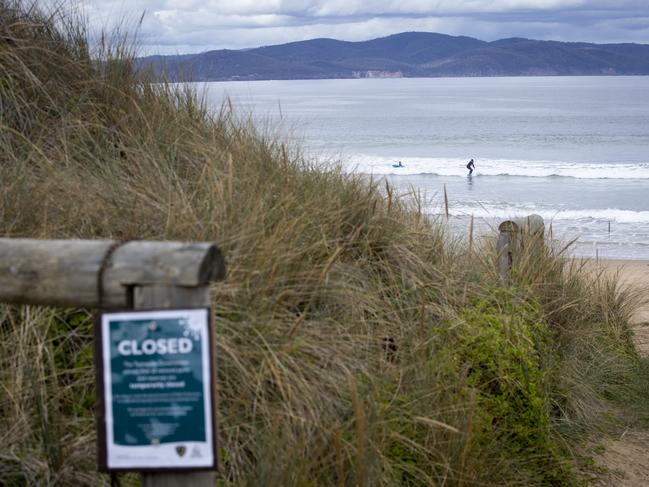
{"x": 574, "y": 150}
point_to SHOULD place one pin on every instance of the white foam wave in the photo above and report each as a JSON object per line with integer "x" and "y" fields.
{"x": 366, "y": 164}
{"x": 548, "y": 214}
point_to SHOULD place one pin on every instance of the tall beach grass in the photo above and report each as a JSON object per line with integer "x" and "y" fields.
{"x": 358, "y": 343}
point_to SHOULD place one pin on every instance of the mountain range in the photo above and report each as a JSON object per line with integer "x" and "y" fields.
{"x": 409, "y": 54}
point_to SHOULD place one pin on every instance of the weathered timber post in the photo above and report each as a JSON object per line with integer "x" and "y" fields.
{"x": 110, "y": 275}
{"x": 513, "y": 234}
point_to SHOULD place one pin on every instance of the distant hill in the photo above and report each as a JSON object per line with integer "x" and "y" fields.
{"x": 409, "y": 54}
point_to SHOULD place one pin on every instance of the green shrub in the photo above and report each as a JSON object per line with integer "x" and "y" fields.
{"x": 505, "y": 351}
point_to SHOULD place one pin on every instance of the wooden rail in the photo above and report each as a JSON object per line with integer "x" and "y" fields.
{"x": 66, "y": 272}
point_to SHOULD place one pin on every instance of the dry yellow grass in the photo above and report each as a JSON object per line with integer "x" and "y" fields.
{"x": 357, "y": 343}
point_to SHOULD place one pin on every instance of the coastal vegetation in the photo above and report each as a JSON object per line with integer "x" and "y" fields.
{"x": 358, "y": 342}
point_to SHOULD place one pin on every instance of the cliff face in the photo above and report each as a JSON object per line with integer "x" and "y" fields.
{"x": 410, "y": 54}
{"x": 377, "y": 74}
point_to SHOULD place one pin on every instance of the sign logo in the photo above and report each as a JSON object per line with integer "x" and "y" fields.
{"x": 181, "y": 450}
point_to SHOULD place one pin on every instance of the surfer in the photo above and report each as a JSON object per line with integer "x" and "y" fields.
{"x": 398, "y": 165}
{"x": 470, "y": 166}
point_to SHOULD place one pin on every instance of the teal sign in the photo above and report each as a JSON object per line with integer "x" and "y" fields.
{"x": 157, "y": 389}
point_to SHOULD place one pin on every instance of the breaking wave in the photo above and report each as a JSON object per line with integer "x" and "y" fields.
{"x": 548, "y": 214}
{"x": 493, "y": 167}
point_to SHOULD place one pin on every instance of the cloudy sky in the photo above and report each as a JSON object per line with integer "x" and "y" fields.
{"x": 184, "y": 26}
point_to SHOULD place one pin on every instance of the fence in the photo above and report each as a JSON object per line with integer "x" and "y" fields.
{"x": 139, "y": 275}
{"x": 126, "y": 276}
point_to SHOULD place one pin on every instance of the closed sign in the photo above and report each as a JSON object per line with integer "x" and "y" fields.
{"x": 156, "y": 387}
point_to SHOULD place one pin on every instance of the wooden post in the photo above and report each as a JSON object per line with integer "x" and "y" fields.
{"x": 513, "y": 234}
{"x": 94, "y": 273}
{"x": 159, "y": 297}
{"x": 505, "y": 255}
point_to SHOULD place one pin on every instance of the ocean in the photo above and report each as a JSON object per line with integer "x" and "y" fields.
{"x": 574, "y": 150}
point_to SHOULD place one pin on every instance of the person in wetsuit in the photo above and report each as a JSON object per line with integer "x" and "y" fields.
{"x": 470, "y": 166}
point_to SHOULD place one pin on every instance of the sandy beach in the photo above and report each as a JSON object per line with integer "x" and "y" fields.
{"x": 625, "y": 457}
{"x": 635, "y": 274}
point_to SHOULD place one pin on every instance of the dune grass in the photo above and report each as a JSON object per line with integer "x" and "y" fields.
{"x": 357, "y": 342}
